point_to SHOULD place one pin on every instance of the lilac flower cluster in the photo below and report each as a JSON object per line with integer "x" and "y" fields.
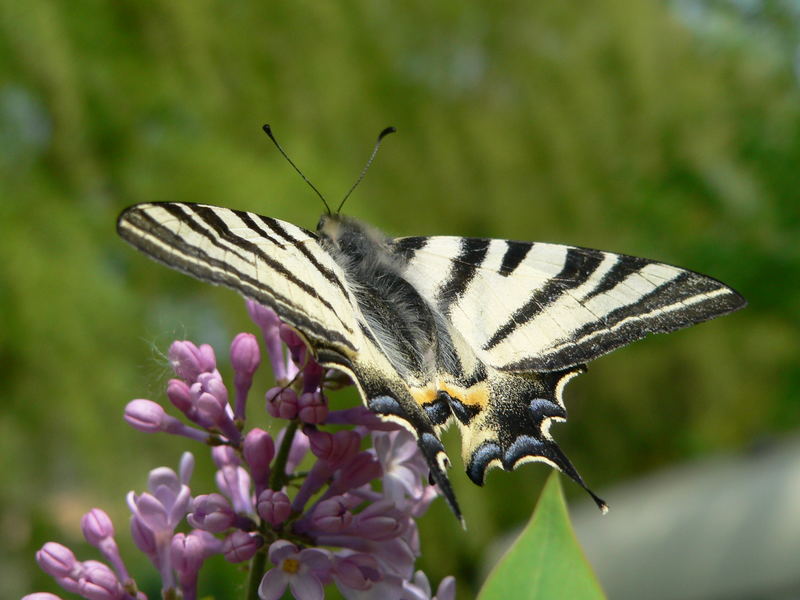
{"x": 327, "y": 525}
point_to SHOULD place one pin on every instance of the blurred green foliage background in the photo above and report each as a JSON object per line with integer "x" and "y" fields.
{"x": 664, "y": 129}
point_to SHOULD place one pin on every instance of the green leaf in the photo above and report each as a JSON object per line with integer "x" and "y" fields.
{"x": 545, "y": 561}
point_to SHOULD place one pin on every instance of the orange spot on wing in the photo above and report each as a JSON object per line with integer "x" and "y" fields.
{"x": 476, "y": 395}
{"x": 423, "y": 396}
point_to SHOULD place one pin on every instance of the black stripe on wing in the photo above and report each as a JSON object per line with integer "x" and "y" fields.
{"x": 688, "y": 299}
{"x": 579, "y": 266}
{"x": 406, "y": 248}
{"x": 301, "y": 247}
{"x": 208, "y": 215}
{"x": 513, "y": 257}
{"x": 463, "y": 268}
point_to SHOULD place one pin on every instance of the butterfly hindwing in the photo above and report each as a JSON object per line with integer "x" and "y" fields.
{"x": 529, "y": 315}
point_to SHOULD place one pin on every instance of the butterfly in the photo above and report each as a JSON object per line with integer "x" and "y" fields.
{"x": 483, "y": 332}
{"x": 433, "y": 330}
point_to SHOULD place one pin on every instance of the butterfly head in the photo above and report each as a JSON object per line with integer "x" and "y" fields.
{"x": 344, "y": 235}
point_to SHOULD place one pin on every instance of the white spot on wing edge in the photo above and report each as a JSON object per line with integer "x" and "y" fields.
{"x": 443, "y": 461}
{"x": 559, "y": 391}
{"x": 529, "y": 459}
{"x": 546, "y": 423}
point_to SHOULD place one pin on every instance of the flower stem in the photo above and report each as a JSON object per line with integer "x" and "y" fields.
{"x": 277, "y": 480}
{"x": 278, "y": 477}
{"x": 256, "y": 573}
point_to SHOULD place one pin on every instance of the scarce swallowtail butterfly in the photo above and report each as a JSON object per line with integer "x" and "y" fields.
{"x": 483, "y": 332}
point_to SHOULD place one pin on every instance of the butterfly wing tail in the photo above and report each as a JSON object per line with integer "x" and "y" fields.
{"x": 399, "y": 407}
{"x": 514, "y": 428}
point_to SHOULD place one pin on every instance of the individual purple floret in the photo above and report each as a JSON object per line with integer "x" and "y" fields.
{"x": 245, "y": 358}
{"x": 99, "y": 532}
{"x": 274, "y": 507}
{"x": 420, "y": 588}
{"x": 214, "y": 514}
{"x": 158, "y": 512}
{"x": 240, "y": 546}
{"x": 189, "y": 361}
{"x": 187, "y": 553}
{"x": 258, "y": 452}
{"x": 283, "y": 492}
{"x": 302, "y": 570}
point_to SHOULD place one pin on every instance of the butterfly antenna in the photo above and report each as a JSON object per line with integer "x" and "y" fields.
{"x": 268, "y": 130}
{"x": 381, "y": 135}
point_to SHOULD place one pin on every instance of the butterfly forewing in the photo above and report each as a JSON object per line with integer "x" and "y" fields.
{"x": 273, "y": 262}
{"x": 543, "y": 307}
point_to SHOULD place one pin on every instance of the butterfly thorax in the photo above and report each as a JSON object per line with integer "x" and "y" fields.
{"x": 395, "y": 316}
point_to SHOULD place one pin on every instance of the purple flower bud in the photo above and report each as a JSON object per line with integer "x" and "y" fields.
{"x": 380, "y": 521}
{"x": 179, "y": 394}
{"x": 41, "y": 596}
{"x": 189, "y": 361}
{"x": 312, "y": 376}
{"x": 70, "y": 584}
{"x": 245, "y": 355}
{"x": 357, "y": 571}
{"x": 264, "y": 317}
{"x": 225, "y": 456}
{"x": 234, "y": 482}
{"x": 259, "y": 450}
{"x": 143, "y": 537}
{"x": 145, "y": 415}
{"x": 312, "y": 408}
{"x": 270, "y": 324}
{"x": 211, "y": 544}
{"x": 298, "y": 450}
{"x": 187, "y": 553}
{"x": 245, "y": 358}
{"x": 96, "y": 526}
{"x": 149, "y": 417}
{"x": 282, "y": 403}
{"x": 360, "y": 469}
{"x": 186, "y": 467}
{"x": 57, "y": 560}
{"x": 333, "y": 448}
{"x": 273, "y": 506}
{"x": 212, "y": 383}
{"x": 211, "y": 512}
{"x": 240, "y": 546}
{"x": 295, "y": 344}
{"x": 99, "y": 532}
{"x": 209, "y": 410}
{"x": 98, "y": 582}
{"x": 331, "y": 516}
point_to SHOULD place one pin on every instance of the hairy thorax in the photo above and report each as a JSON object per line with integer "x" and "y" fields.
{"x": 397, "y": 317}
